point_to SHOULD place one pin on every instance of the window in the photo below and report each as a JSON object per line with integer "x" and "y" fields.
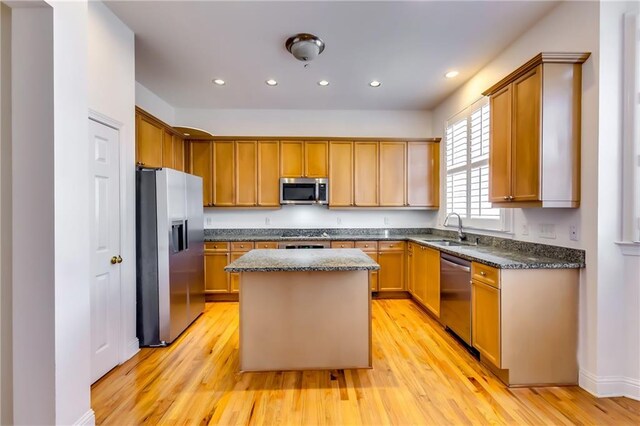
{"x": 467, "y": 161}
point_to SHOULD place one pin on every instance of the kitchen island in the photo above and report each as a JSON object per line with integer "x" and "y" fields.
{"x": 304, "y": 309}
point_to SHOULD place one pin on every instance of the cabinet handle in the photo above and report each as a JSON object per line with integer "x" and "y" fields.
{"x": 483, "y": 273}
{"x": 506, "y": 198}
{"x": 511, "y": 197}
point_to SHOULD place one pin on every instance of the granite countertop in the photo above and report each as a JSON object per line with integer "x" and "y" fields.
{"x": 497, "y": 252}
{"x": 303, "y": 260}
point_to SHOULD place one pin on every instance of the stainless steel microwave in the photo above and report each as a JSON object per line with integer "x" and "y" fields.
{"x": 304, "y": 191}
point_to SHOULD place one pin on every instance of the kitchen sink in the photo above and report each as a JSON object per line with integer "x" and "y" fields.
{"x": 451, "y": 243}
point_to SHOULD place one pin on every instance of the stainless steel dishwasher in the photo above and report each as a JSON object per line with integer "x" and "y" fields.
{"x": 455, "y": 295}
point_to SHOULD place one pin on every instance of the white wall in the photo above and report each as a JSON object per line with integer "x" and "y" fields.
{"x": 112, "y": 94}
{"x": 154, "y": 104}
{"x": 348, "y": 123}
{"x": 597, "y": 28}
{"x": 6, "y": 374}
{"x": 33, "y": 216}
{"x": 315, "y": 217}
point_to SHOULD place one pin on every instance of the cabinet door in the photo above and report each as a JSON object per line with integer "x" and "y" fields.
{"x": 411, "y": 249}
{"x": 200, "y": 163}
{"x": 316, "y": 159}
{"x": 391, "y": 274}
{"x": 234, "y": 277}
{"x": 216, "y": 280}
{"x": 525, "y": 157}
{"x": 340, "y": 174}
{"x": 431, "y": 272}
{"x": 268, "y": 173}
{"x": 223, "y": 173}
{"x": 365, "y": 168}
{"x": 419, "y": 274}
{"x": 246, "y": 169}
{"x": 167, "y": 149}
{"x": 148, "y": 143}
{"x": 373, "y": 275}
{"x": 423, "y": 174}
{"x": 392, "y": 174}
{"x": 485, "y": 321}
{"x": 291, "y": 158}
{"x": 178, "y": 153}
{"x": 500, "y": 146}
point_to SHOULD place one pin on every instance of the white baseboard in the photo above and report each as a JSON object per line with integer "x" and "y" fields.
{"x": 607, "y": 386}
{"x": 132, "y": 348}
{"x": 87, "y": 419}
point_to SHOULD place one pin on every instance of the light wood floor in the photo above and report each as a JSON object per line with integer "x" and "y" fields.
{"x": 420, "y": 376}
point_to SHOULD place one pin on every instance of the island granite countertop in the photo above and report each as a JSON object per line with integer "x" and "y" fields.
{"x": 272, "y": 260}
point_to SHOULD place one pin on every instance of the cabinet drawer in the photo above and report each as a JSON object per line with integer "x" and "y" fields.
{"x": 367, "y": 245}
{"x": 241, "y": 246}
{"x": 217, "y": 246}
{"x": 485, "y": 274}
{"x": 342, "y": 244}
{"x": 391, "y": 246}
{"x": 266, "y": 245}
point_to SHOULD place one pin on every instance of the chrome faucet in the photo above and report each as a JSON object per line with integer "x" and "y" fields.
{"x": 461, "y": 235}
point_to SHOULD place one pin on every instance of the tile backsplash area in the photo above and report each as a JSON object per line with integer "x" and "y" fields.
{"x": 306, "y": 217}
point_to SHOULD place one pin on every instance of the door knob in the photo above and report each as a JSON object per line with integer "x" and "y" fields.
{"x": 114, "y": 260}
{"x": 119, "y": 259}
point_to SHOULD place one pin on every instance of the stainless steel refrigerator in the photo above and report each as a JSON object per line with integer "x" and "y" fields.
{"x": 170, "y": 254}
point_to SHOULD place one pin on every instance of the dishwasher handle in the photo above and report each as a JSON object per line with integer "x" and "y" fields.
{"x": 455, "y": 265}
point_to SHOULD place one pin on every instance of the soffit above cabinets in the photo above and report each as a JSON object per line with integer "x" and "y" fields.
{"x": 181, "y": 46}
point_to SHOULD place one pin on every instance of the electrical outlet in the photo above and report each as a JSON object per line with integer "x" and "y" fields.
{"x": 208, "y": 221}
{"x": 573, "y": 233}
{"x": 525, "y": 229}
{"x": 386, "y": 220}
{"x": 547, "y": 230}
{"x": 267, "y": 221}
{"x": 339, "y": 220}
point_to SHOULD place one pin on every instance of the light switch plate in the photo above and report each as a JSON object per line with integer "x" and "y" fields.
{"x": 573, "y": 233}
{"x": 525, "y": 229}
{"x": 339, "y": 221}
{"x": 547, "y": 230}
{"x": 208, "y": 221}
{"x": 386, "y": 220}
{"x": 267, "y": 221}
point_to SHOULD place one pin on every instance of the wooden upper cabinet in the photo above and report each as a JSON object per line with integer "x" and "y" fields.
{"x": 365, "y": 174}
{"x": 268, "y": 173}
{"x": 149, "y": 141}
{"x": 392, "y": 174}
{"x": 200, "y": 164}
{"x": 423, "y": 174}
{"x": 316, "y": 156}
{"x": 167, "y": 149}
{"x": 178, "y": 154}
{"x": 500, "y": 140}
{"x": 246, "y": 168}
{"x": 223, "y": 173}
{"x": 534, "y": 155}
{"x": 340, "y": 174}
{"x": 525, "y": 145}
{"x": 291, "y": 159}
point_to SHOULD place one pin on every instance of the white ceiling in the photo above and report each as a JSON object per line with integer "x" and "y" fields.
{"x": 182, "y": 45}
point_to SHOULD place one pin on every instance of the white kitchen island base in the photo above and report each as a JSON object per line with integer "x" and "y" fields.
{"x": 311, "y": 320}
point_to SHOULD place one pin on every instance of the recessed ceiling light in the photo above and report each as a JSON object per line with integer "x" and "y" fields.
{"x": 218, "y": 81}
{"x": 323, "y": 83}
{"x": 451, "y": 74}
{"x": 271, "y": 82}
{"x": 375, "y": 83}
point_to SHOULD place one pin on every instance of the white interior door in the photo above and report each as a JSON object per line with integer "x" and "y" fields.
{"x": 105, "y": 248}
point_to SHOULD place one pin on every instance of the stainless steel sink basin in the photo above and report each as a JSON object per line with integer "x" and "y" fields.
{"x": 451, "y": 243}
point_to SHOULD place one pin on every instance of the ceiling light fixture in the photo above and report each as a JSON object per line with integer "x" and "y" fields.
{"x": 323, "y": 83}
{"x": 375, "y": 83}
{"x": 271, "y": 82}
{"x": 187, "y": 134}
{"x": 451, "y": 74}
{"x": 219, "y": 82}
{"x": 304, "y": 47}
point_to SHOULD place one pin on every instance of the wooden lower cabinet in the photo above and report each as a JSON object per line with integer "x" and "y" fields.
{"x": 370, "y": 248}
{"x": 234, "y": 277}
{"x": 391, "y": 258}
{"x": 485, "y": 320}
{"x": 431, "y": 271}
{"x": 216, "y": 280}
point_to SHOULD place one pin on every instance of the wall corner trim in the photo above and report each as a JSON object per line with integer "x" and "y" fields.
{"x": 87, "y": 419}
{"x": 609, "y": 386}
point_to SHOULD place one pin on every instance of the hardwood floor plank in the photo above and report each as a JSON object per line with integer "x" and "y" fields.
{"x": 420, "y": 375}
